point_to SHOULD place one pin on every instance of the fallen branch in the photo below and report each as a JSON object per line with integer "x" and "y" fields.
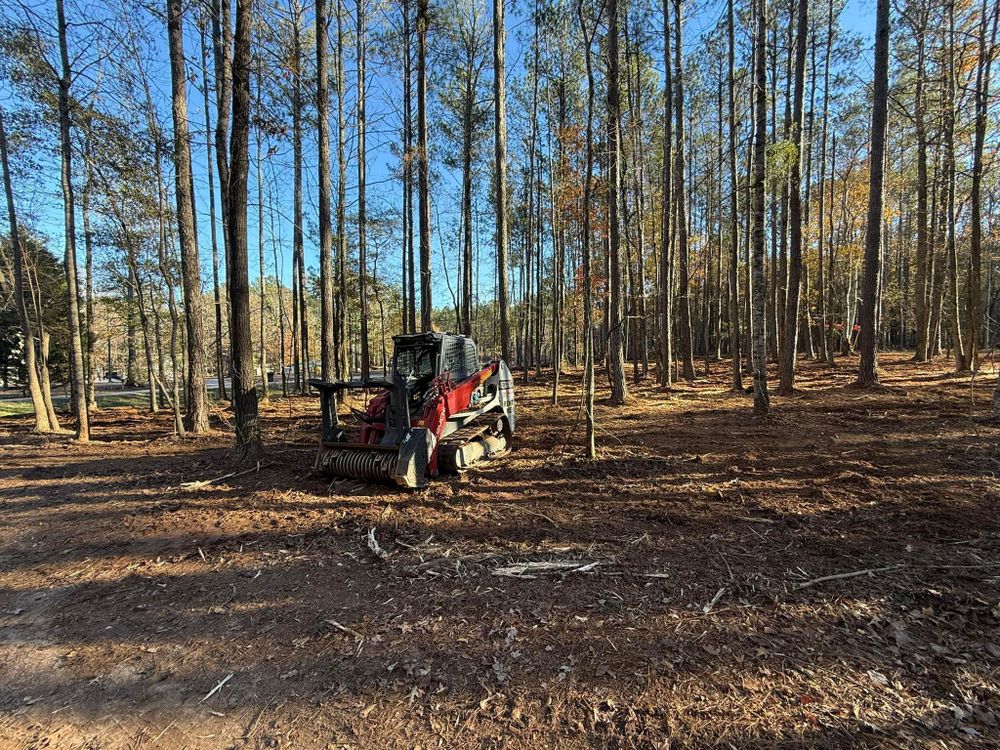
{"x": 373, "y": 545}
{"x": 475, "y": 557}
{"x": 870, "y": 571}
{"x": 525, "y": 570}
{"x": 157, "y": 737}
{"x": 715, "y": 600}
{"x": 253, "y": 724}
{"x": 206, "y": 482}
{"x": 217, "y": 688}
{"x": 344, "y": 629}
{"x": 852, "y": 574}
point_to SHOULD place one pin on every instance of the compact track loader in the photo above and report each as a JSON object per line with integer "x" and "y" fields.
{"x": 438, "y": 411}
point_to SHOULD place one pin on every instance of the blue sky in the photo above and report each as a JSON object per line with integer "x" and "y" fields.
{"x": 42, "y": 201}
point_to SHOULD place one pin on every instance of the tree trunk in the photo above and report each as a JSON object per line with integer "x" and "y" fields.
{"x": 296, "y": 339}
{"x": 42, "y": 423}
{"x": 342, "y": 363}
{"x": 298, "y": 249}
{"x": 666, "y": 254}
{"x": 248, "y": 438}
{"x": 616, "y": 354}
{"x": 936, "y": 264}
{"x": 500, "y": 169}
{"x": 328, "y": 344}
{"x": 556, "y": 178}
{"x": 790, "y": 344}
{"x": 683, "y": 292}
{"x": 975, "y": 282}
{"x": 821, "y": 281}
{"x": 88, "y": 241}
{"x": 135, "y": 286}
{"x": 640, "y": 189}
{"x": 196, "y": 418}
{"x": 221, "y": 43}
{"x": 409, "y": 275}
{"x": 220, "y": 370}
{"x": 174, "y": 400}
{"x": 163, "y": 266}
{"x": 280, "y": 297}
{"x": 588, "y": 180}
{"x": 468, "y": 103}
{"x": 922, "y": 280}
{"x": 867, "y": 374}
{"x": 265, "y": 389}
{"x": 362, "y": 214}
{"x": 761, "y": 401}
{"x": 78, "y": 376}
{"x": 950, "y": 169}
{"x": 734, "y": 239}
{"x": 423, "y": 173}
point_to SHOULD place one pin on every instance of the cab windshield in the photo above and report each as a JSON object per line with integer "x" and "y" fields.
{"x": 416, "y": 362}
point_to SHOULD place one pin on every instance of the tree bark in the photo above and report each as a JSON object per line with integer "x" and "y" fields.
{"x": 734, "y": 239}
{"x": 423, "y": 171}
{"x": 221, "y": 43}
{"x": 950, "y": 169}
{"x": 220, "y": 370}
{"x": 616, "y": 355}
{"x": 821, "y": 280}
{"x": 500, "y": 170}
{"x": 343, "y": 366}
{"x": 588, "y": 180}
{"x": 78, "y": 375}
{"x": 265, "y": 388}
{"x": 790, "y": 344}
{"x": 248, "y": 438}
{"x": 867, "y": 373}
{"x": 922, "y": 279}
{"x": 174, "y": 401}
{"x": 135, "y": 287}
{"x": 468, "y": 104}
{"x": 88, "y": 242}
{"x": 328, "y": 345}
{"x": 761, "y": 400}
{"x": 642, "y": 333}
{"x": 666, "y": 254}
{"x": 298, "y": 247}
{"x": 683, "y": 252}
{"x": 975, "y": 282}
{"x": 196, "y": 417}
{"x": 409, "y": 274}
{"x": 362, "y": 209}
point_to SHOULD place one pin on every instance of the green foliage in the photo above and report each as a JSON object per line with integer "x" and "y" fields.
{"x": 781, "y": 156}
{"x": 45, "y": 289}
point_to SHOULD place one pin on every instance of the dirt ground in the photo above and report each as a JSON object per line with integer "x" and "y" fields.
{"x": 139, "y": 612}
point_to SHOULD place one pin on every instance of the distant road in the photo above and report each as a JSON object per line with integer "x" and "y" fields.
{"x": 104, "y": 388}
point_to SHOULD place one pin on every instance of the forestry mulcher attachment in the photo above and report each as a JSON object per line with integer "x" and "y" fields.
{"x": 439, "y": 411}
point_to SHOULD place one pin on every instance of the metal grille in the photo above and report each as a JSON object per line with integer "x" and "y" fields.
{"x": 460, "y": 357}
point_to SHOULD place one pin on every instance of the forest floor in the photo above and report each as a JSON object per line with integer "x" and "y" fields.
{"x": 137, "y": 611}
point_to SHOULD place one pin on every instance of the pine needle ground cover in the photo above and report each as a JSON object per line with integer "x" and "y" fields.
{"x": 827, "y": 577}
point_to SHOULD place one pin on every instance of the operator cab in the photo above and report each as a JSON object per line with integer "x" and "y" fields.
{"x": 419, "y": 358}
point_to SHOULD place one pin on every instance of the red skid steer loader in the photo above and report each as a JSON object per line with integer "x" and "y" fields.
{"x": 438, "y": 411}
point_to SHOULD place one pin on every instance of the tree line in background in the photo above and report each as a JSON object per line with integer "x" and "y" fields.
{"x": 619, "y": 195}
